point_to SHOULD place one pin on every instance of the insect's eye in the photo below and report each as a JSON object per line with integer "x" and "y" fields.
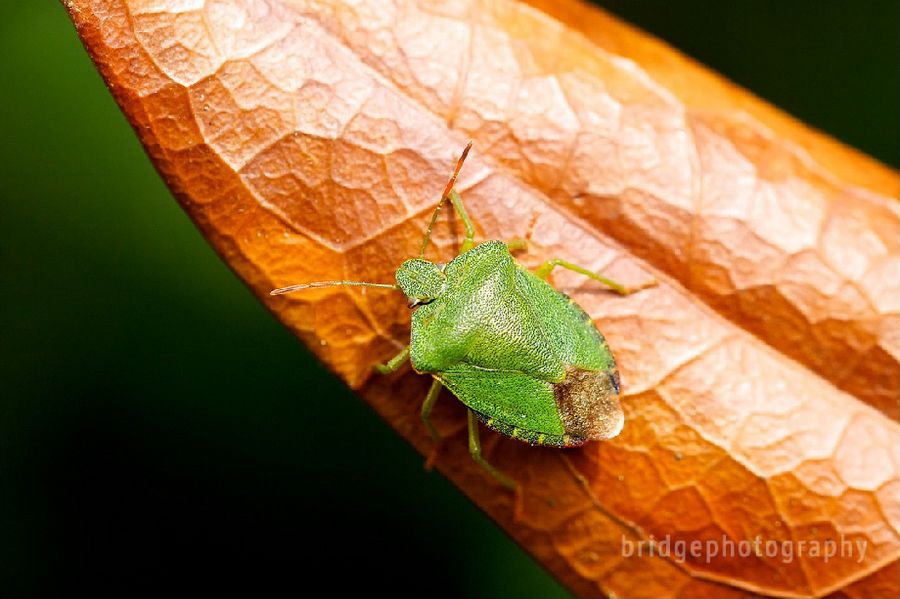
{"x": 415, "y": 301}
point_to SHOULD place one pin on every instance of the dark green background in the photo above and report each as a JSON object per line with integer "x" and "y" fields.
{"x": 159, "y": 428}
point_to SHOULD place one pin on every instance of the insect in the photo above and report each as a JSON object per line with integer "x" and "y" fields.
{"x": 524, "y": 358}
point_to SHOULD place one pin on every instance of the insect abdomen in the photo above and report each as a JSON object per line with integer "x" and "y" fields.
{"x": 530, "y": 436}
{"x": 587, "y": 404}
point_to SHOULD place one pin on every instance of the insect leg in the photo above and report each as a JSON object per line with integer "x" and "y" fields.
{"x": 517, "y": 244}
{"x": 475, "y": 450}
{"x": 464, "y": 217}
{"x": 543, "y": 271}
{"x": 429, "y": 402}
{"x": 448, "y": 191}
{"x": 521, "y": 243}
{"x": 394, "y": 363}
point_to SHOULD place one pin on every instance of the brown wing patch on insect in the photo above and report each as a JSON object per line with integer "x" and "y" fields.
{"x": 588, "y": 403}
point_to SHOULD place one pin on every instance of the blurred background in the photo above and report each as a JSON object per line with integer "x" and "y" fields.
{"x": 159, "y": 429}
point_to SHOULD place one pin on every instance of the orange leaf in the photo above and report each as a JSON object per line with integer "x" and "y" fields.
{"x": 309, "y": 140}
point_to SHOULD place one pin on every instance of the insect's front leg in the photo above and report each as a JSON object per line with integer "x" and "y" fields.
{"x": 543, "y": 271}
{"x": 394, "y": 363}
{"x": 517, "y": 245}
{"x": 469, "y": 242}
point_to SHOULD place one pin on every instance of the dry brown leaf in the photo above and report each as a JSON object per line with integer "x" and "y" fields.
{"x": 309, "y": 140}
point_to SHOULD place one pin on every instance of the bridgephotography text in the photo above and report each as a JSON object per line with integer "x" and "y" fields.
{"x": 709, "y": 549}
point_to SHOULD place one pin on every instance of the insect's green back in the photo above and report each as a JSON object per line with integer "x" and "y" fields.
{"x": 515, "y": 350}
{"x": 524, "y": 358}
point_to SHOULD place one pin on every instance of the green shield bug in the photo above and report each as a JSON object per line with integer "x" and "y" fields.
{"x": 524, "y": 358}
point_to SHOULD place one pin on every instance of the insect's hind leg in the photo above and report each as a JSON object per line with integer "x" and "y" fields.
{"x": 543, "y": 271}
{"x": 394, "y": 363}
{"x": 475, "y": 451}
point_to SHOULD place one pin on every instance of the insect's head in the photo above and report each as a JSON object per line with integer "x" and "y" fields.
{"x": 422, "y": 281}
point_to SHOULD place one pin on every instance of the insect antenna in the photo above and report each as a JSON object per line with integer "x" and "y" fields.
{"x": 302, "y": 286}
{"x": 447, "y": 190}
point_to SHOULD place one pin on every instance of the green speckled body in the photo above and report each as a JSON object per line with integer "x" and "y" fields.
{"x": 524, "y": 358}
{"x": 520, "y": 354}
